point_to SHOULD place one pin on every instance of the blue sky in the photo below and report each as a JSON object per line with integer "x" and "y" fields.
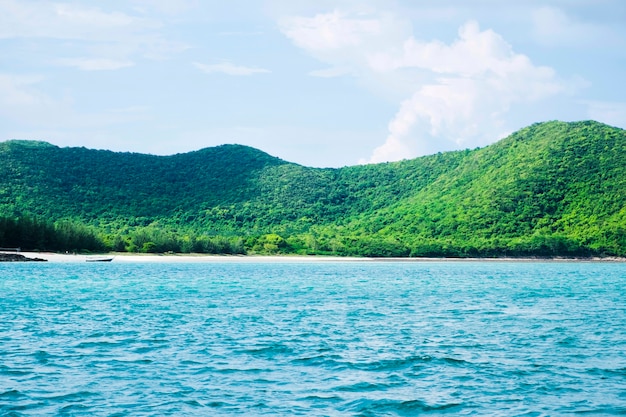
{"x": 321, "y": 83}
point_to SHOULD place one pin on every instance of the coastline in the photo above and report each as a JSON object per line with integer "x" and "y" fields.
{"x": 206, "y": 258}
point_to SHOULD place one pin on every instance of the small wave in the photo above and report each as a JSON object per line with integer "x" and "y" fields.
{"x": 72, "y": 408}
{"x": 608, "y": 373}
{"x": 269, "y": 351}
{"x": 11, "y": 414}
{"x": 189, "y": 362}
{"x": 144, "y": 349}
{"x": 319, "y": 398}
{"x": 393, "y": 364}
{"x": 613, "y": 411}
{"x": 386, "y": 365}
{"x": 193, "y": 403}
{"x": 42, "y": 357}
{"x": 5, "y": 370}
{"x": 140, "y": 361}
{"x": 386, "y": 406}
{"x": 363, "y": 387}
{"x": 365, "y": 314}
{"x": 98, "y": 344}
{"x": 333, "y": 362}
{"x": 72, "y": 397}
{"x": 454, "y": 361}
{"x": 568, "y": 342}
{"x": 218, "y": 404}
{"x": 12, "y": 395}
{"x": 207, "y": 370}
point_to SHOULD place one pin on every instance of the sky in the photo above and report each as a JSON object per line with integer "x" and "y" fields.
{"x": 316, "y": 82}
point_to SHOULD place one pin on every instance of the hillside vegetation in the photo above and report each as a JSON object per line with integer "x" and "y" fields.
{"x": 549, "y": 189}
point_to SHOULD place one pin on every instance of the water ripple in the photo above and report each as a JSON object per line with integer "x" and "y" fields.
{"x": 327, "y": 339}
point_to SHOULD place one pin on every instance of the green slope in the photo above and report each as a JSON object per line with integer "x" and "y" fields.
{"x": 550, "y": 189}
{"x": 46, "y": 180}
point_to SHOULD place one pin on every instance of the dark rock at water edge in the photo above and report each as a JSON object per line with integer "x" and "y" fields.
{"x": 16, "y": 257}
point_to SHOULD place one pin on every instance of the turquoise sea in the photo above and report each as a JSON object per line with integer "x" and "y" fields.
{"x": 353, "y": 338}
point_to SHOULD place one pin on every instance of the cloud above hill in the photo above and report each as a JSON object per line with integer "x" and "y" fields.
{"x": 457, "y": 93}
{"x": 100, "y": 40}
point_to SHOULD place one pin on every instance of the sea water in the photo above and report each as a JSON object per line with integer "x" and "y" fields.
{"x": 313, "y": 339}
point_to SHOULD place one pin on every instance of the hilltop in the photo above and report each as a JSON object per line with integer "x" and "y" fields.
{"x": 552, "y": 188}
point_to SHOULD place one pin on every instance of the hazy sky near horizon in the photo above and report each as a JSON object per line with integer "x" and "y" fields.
{"x": 317, "y": 82}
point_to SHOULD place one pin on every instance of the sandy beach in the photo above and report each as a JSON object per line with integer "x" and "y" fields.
{"x": 198, "y": 258}
{"x": 172, "y": 258}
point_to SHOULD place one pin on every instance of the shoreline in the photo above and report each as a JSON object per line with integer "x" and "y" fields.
{"x": 207, "y": 258}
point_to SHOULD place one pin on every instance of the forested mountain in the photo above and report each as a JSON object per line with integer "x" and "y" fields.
{"x": 552, "y": 188}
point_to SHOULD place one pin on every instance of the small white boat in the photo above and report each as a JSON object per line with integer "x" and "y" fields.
{"x": 99, "y": 258}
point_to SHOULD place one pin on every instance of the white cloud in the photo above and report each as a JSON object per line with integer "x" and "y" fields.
{"x": 45, "y": 19}
{"x": 344, "y": 40}
{"x": 329, "y": 30}
{"x": 455, "y": 113}
{"x": 482, "y": 78}
{"x": 229, "y": 68}
{"x": 104, "y": 36}
{"x": 88, "y": 64}
{"x": 458, "y": 92}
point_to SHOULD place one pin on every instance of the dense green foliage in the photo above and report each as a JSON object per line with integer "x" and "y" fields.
{"x": 34, "y": 234}
{"x": 550, "y": 189}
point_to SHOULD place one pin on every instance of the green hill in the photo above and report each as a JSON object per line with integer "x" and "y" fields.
{"x": 43, "y": 179}
{"x": 553, "y": 188}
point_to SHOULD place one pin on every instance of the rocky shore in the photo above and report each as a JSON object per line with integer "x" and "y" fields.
{"x": 16, "y": 257}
